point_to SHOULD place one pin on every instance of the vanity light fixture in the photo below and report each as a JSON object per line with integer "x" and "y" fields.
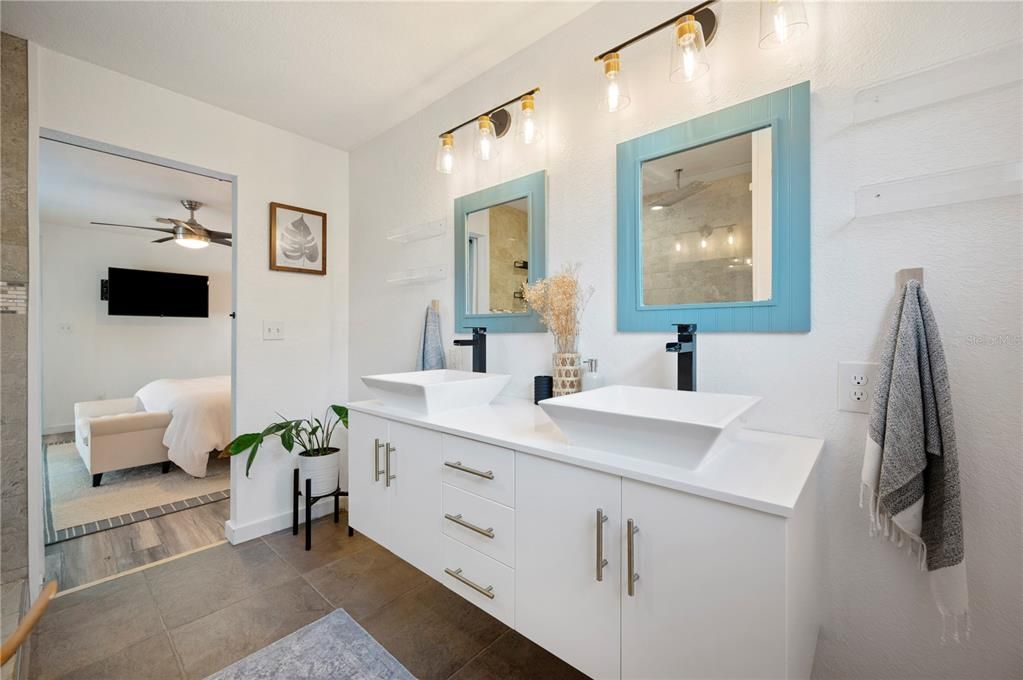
{"x": 530, "y": 127}
{"x": 693, "y": 30}
{"x": 781, "y": 21}
{"x": 657, "y": 207}
{"x": 490, "y": 126}
{"x": 688, "y": 50}
{"x": 446, "y": 154}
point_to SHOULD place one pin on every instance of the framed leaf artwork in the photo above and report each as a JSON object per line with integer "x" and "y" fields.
{"x": 298, "y": 239}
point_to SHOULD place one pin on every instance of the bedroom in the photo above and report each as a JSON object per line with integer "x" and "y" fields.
{"x": 153, "y": 320}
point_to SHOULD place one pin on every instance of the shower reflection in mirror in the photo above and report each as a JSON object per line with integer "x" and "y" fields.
{"x": 706, "y": 223}
{"x": 496, "y": 257}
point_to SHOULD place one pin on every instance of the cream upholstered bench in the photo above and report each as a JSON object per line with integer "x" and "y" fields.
{"x": 115, "y": 434}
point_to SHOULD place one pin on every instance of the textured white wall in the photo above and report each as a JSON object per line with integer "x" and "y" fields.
{"x": 123, "y": 352}
{"x": 305, "y": 371}
{"x": 878, "y": 617}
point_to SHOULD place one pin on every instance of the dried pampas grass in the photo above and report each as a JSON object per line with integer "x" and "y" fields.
{"x": 560, "y": 301}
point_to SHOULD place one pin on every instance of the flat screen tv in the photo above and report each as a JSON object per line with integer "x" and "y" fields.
{"x": 137, "y": 292}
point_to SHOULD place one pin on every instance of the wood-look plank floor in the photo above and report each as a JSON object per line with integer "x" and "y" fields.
{"x": 97, "y": 556}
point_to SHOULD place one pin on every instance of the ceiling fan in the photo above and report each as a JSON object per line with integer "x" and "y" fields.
{"x": 186, "y": 233}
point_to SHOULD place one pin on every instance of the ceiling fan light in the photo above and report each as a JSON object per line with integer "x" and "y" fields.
{"x": 191, "y": 241}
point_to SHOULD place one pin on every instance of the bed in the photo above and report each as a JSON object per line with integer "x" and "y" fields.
{"x": 200, "y": 410}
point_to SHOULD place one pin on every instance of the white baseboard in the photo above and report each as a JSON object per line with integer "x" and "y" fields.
{"x": 236, "y": 534}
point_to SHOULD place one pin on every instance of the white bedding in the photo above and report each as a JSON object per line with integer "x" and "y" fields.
{"x": 200, "y": 411}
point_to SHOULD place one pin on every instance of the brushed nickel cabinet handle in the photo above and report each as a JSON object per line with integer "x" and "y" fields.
{"x": 376, "y": 460}
{"x": 457, "y": 574}
{"x": 388, "y": 450}
{"x": 457, "y": 519}
{"x": 630, "y": 539}
{"x": 601, "y": 561}
{"x": 457, "y": 465}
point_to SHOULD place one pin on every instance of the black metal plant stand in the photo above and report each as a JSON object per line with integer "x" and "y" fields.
{"x": 310, "y": 501}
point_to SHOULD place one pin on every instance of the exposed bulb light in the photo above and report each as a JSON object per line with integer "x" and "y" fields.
{"x": 703, "y": 242}
{"x": 688, "y": 50}
{"x": 678, "y": 247}
{"x": 446, "y": 154}
{"x": 781, "y": 21}
{"x": 614, "y": 91}
{"x": 485, "y": 146}
{"x": 657, "y": 207}
{"x": 731, "y": 237}
{"x": 749, "y": 261}
{"x": 530, "y": 128}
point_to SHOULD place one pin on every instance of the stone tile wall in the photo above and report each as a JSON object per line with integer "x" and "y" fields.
{"x": 13, "y": 310}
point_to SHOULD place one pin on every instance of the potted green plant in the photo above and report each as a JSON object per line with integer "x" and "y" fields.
{"x": 317, "y": 459}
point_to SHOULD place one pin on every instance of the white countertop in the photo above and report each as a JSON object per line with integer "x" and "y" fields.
{"x": 759, "y": 470}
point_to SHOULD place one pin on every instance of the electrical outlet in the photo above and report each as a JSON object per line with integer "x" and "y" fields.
{"x": 856, "y": 385}
{"x": 273, "y": 330}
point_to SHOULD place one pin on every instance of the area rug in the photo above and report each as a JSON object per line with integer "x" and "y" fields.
{"x": 330, "y": 648}
{"x": 75, "y": 508}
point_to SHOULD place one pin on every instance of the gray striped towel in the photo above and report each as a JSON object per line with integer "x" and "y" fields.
{"x": 910, "y": 463}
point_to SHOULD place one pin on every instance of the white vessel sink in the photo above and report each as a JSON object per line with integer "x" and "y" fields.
{"x": 665, "y": 426}
{"x": 431, "y": 392}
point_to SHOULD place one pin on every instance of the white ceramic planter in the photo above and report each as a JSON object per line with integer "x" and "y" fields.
{"x": 322, "y": 470}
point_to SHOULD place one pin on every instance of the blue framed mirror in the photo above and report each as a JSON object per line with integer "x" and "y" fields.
{"x": 714, "y": 220}
{"x": 500, "y": 243}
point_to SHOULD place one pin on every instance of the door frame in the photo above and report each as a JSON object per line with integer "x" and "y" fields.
{"x": 36, "y": 546}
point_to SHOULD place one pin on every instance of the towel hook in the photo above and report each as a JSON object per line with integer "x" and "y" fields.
{"x": 903, "y": 276}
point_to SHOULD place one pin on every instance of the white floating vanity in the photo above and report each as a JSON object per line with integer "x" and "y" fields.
{"x": 623, "y": 566}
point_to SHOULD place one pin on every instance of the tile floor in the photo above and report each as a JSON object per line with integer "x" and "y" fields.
{"x": 195, "y": 615}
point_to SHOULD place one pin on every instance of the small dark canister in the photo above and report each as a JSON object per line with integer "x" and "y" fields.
{"x": 543, "y": 388}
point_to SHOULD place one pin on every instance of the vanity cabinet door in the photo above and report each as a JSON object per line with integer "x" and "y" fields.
{"x": 565, "y": 601}
{"x": 368, "y": 494}
{"x": 710, "y": 598}
{"x": 416, "y": 513}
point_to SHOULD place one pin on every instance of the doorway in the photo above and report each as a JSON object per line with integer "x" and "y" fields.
{"x": 136, "y": 341}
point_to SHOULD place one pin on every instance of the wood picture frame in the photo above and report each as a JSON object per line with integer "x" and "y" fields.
{"x": 300, "y": 244}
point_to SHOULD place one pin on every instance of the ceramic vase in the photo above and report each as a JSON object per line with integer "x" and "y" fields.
{"x": 325, "y": 471}
{"x": 567, "y": 373}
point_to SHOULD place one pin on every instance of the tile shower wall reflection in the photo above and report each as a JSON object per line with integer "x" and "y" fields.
{"x": 498, "y": 238}
{"x": 706, "y": 223}
{"x": 509, "y": 243}
{"x": 677, "y": 269}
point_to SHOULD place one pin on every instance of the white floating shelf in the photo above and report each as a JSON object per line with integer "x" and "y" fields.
{"x": 997, "y": 67}
{"x": 928, "y": 191}
{"x": 417, "y": 232}
{"x": 409, "y": 277}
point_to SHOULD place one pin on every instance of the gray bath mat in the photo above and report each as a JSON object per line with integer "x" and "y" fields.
{"x": 332, "y": 648}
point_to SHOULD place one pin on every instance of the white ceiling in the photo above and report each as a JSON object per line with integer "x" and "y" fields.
{"x": 729, "y": 156}
{"x": 78, "y": 186}
{"x": 338, "y": 72}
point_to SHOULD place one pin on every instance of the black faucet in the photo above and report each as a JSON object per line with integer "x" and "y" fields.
{"x": 685, "y": 347}
{"x": 479, "y": 348}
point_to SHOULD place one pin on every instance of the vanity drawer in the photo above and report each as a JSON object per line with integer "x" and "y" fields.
{"x": 483, "y": 469}
{"x": 480, "y": 523}
{"x": 485, "y": 582}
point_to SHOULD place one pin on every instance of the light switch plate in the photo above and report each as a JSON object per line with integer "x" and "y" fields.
{"x": 273, "y": 330}
{"x": 856, "y": 383}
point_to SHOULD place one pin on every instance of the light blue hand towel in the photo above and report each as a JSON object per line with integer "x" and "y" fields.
{"x": 431, "y": 345}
